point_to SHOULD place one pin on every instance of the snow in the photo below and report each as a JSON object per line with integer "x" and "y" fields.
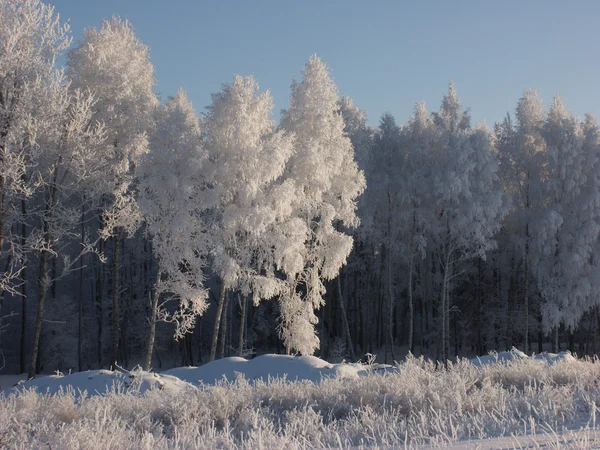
{"x": 514, "y": 354}
{"x": 264, "y": 368}
{"x": 293, "y": 368}
{"x": 97, "y": 382}
{"x": 553, "y": 358}
{"x": 495, "y": 357}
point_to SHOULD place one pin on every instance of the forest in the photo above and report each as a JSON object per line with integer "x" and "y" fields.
{"x": 139, "y": 230}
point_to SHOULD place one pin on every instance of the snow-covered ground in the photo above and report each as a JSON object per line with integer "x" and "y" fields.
{"x": 503, "y": 400}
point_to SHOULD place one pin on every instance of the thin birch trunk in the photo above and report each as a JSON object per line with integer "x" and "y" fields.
{"x": 153, "y": 316}
{"x": 43, "y": 275}
{"x": 100, "y": 306}
{"x": 244, "y": 305}
{"x": 224, "y": 328}
{"x": 411, "y": 313}
{"x": 115, "y": 305}
{"x": 215, "y": 336}
{"x": 80, "y": 330}
{"x": 391, "y": 304}
{"x": 526, "y": 289}
{"x": 22, "y": 357}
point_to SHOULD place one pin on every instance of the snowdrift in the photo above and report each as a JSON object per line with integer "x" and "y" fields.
{"x": 98, "y": 382}
{"x": 262, "y": 368}
{"x": 514, "y": 354}
{"x": 265, "y": 367}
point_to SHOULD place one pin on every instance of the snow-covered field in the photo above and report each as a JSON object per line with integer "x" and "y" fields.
{"x": 506, "y": 400}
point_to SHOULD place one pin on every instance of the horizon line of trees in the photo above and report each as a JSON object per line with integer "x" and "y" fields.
{"x": 126, "y": 221}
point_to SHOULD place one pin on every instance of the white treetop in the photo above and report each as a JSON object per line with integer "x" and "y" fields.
{"x": 169, "y": 188}
{"x": 246, "y": 156}
{"x": 115, "y": 66}
{"x": 31, "y": 39}
{"x": 327, "y": 183}
{"x": 566, "y": 230}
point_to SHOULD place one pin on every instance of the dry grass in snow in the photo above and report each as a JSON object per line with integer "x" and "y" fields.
{"x": 422, "y": 404}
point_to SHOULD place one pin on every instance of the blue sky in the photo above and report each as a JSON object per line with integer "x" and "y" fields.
{"x": 387, "y": 55}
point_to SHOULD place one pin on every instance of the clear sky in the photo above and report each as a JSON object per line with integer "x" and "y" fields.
{"x": 386, "y": 55}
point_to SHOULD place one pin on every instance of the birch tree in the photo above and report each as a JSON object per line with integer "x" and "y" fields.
{"x": 327, "y": 184}
{"x": 468, "y": 201}
{"x": 115, "y": 66}
{"x": 246, "y": 155}
{"x": 169, "y": 189}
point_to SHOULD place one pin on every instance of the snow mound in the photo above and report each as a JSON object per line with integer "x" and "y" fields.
{"x": 495, "y": 357}
{"x": 293, "y": 368}
{"x": 552, "y": 358}
{"x": 98, "y": 382}
{"x": 514, "y": 354}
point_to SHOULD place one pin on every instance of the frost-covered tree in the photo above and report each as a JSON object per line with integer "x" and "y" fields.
{"x": 246, "y": 155}
{"x": 47, "y": 143}
{"x": 65, "y": 158}
{"x": 327, "y": 184}
{"x": 413, "y": 201}
{"x": 169, "y": 189}
{"x": 361, "y": 136}
{"x": 115, "y": 66}
{"x": 466, "y": 194}
{"x": 31, "y": 39}
{"x": 522, "y": 154}
{"x": 382, "y": 201}
{"x": 564, "y": 247}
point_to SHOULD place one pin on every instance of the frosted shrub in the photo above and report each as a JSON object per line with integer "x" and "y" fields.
{"x": 421, "y": 403}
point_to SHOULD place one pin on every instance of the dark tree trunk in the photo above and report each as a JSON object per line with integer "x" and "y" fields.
{"x": 42, "y": 288}
{"x": 345, "y": 320}
{"x": 43, "y": 278}
{"x": 22, "y": 356}
{"x": 80, "y": 331}
{"x": 152, "y": 334}
{"x": 224, "y": 318}
{"x": 215, "y": 336}
{"x": 115, "y": 304}
{"x": 100, "y": 306}
{"x": 244, "y": 306}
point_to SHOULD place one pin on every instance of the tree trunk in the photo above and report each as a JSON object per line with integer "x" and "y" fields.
{"x": 526, "y": 289}
{"x": 215, "y": 336}
{"x": 244, "y": 306}
{"x": 43, "y": 277}
{"x": 152, "y": 334}
{"x": 42, "y": 288}
{"x": 391, "y": 304}
{"x": 572, "y": 341}
{"x": 540, "y": 333}
{"x": 22, "y": 357}
{"x": 100, "y": 305}
{"x": 224, "y": 328}
{"x": 445, "y": 331}
{"x": 411, "y": 313}
{"x": 3, "y": 152}
{"x": 115, "y": 305}
{"x": 80, "y": 331}
{"x": 345, "y": 320}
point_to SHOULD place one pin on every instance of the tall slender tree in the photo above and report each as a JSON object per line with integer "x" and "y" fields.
{"x": 327, "y": 184}
{"x": 113, "y": 64}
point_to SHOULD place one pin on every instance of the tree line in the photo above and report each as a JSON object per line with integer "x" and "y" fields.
{"x": 127, "y": 220}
